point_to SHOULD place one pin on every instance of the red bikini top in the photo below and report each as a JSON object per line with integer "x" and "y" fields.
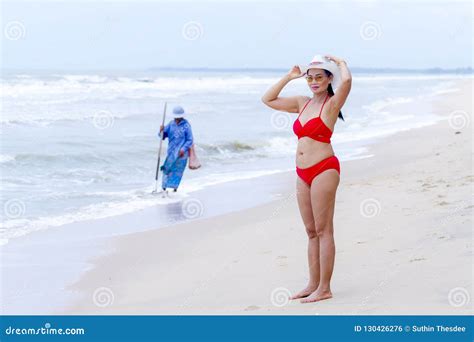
{"x": 314, "y": 128}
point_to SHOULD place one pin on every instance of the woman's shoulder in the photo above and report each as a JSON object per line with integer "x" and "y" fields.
{"x": 302, "y": 100}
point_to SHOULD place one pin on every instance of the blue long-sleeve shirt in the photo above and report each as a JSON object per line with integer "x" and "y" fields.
{"x": 180, "y": 136}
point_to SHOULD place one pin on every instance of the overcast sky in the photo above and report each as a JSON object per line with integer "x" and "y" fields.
{"x": 133, "y": 34}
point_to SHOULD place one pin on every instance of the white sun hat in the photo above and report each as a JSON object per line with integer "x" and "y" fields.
{"x": 178, "y": 112}
{"x": 321, "y": 62}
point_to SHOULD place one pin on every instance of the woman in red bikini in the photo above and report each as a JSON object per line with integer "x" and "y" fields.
{"x": 317, "y": 167}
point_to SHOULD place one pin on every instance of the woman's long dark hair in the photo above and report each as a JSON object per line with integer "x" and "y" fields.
{"x": 331, "y": 92}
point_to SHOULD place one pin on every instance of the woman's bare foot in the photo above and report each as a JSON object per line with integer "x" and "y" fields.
{"x": 317, "y": 296}
{"x": 305, "y": 292}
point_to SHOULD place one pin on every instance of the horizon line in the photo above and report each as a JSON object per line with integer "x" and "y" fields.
{"x": 464, "y": 70}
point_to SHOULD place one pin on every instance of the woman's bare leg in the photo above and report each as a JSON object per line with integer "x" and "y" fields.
{"x": 304, "y": 202}
{"x": 323, "y": 199}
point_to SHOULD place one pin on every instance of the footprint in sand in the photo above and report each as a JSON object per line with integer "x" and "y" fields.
{"x": 443, "y": 203}
{"x": 417, "y": 259}
{"x": 252, "y": 308}
{"x": 444, "y": 236}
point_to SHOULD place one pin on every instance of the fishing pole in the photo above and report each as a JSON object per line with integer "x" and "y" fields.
{"x": 159, "y": 153}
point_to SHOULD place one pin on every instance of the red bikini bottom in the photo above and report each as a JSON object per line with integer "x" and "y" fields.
{"x": 309, "y": 173}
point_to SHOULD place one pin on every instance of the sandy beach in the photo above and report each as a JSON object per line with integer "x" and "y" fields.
{"x": 403, "y": 230}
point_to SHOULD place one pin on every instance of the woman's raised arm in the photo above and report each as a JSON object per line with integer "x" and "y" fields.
{"x": 340, "y": 95}
{"x": 289, "y": 104}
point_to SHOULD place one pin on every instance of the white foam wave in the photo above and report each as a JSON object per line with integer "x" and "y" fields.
{"x": 409, "y": 77}
{"x": 379, "y": 106}
{"x": 123, "y": 202}
{"x": 4, "y": 158}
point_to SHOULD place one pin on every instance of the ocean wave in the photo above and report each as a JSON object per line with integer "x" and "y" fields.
{"x": 119, "y": 203}
{"x": 5, "y": 158}
{"x": 354, "y": 134}
{"x": 48, "y": 118}
{"x": 273, "y": 146}
{"x": 444, "y": 91}
{"x": 83, "y": 78}
{"x": 98, "y": 86}
{"x": 280, "y": 145}
{"x": 83, "y": 157}
{"x": 225, "y": 147}
{"x": 408, "y": 77}
{"x": 20, "y": 227}
{"x": 378, "y": 106}
{"x": 45, "y": 101}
